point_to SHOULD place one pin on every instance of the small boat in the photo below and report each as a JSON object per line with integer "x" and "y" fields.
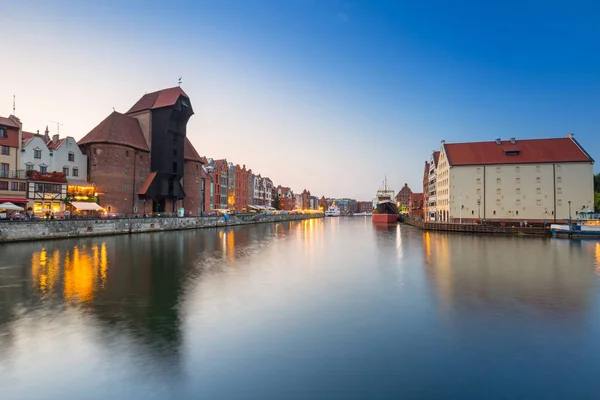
{"x": 362, "y": 214}
{"x": 332, "y": 211}
{"x": 385, "y": 211}
{"x": 587, "y": 226}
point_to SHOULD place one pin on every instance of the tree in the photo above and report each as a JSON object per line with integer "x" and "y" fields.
{"x": 597, "y": 183}
{"x": 597, "y": 201}
{"x": 277, "y": 203}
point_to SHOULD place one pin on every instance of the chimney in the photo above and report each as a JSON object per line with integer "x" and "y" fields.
{"x": 513, "y": 140}
{"x": 570, "y": 135}
{"x": 47, "y": 134}
{"x": 498, "y": 141}
{"x": 54, "y": 139}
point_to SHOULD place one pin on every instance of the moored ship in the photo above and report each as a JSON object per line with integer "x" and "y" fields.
{"x": 587, "y": 226}
{"x": 385, "y": 210}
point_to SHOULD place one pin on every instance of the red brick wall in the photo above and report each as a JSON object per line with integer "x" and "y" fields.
{"x": 192, "y": 186}
{"x": 118, "y": 173}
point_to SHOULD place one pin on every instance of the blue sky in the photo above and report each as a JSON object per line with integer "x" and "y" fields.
{"x": 326, "y": 95}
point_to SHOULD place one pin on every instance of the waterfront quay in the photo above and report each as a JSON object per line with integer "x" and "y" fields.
{"x": 11, "y": 231}
{"x": 325, "y": 308}
{"x": 498, "y": 229}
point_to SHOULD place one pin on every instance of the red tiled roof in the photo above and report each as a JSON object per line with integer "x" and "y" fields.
{"x": 26, "y": 138}
{"x": 53, "y": 146}
{"x": 162, "y": 98}
{"x": 120, "y": 129}
{"x": 13, "y": 138}
{"x": 190, "y": 153}
{"x": 8, "y": 122}
{"x": 147, "y": 183}
{"x": 529, "y": 151}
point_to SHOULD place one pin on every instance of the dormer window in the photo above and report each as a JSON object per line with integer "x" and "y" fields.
{"x": 513, "y": 151}
{"x": 71, "y": 157}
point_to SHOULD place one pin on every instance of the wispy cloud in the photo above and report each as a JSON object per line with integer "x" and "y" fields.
{"x": 343, "y": 16}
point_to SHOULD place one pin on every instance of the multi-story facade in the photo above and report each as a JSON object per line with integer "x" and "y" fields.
{"x": 251, "y": 188}
{"x": 432, "y": 212}
{"x": 194, "y": 183}
{"x": 402, "y": 199}
{"x": 13, "y": 184}
{"x": 512, "y": 180}
{"x": 415, "y": 205}
{"x": 425, "y": 189}
{"x": 365, "y": 206}
{"x": 241, "y": 188}
{"x": 287, "y": 200}
{"x": 268, "y": 189}
{"x": 136, "y": 160}
{"x": 231, "y": 181}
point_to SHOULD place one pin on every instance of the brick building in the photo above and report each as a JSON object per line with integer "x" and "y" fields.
{"x": 365, "y": 206}
{"x": 402, "y": 199}
{"x": 241, "y": 188}
{"x": 13, "y": 186}
{"x": 136, "y": 160}
{"x": 194, "y": 182}
{"x": 415, "y": 205}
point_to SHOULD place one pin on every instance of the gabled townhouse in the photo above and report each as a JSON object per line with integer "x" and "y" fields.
{"x": 13, "y": 184}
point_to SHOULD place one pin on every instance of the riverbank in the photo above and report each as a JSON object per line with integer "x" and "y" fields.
{"x": 475, "y": 228}
{"x": 57, "y": 229}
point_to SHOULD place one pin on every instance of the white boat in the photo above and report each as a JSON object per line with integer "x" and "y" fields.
{"x": 332, "y": 211}
{"x": 587, "y": 226}
{"x": 362, "y": 214}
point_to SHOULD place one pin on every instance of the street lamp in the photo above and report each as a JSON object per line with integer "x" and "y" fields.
{"x": 479, "y": 208}
{"x": 144, "y": 201}
{"x": 569, "y": 212}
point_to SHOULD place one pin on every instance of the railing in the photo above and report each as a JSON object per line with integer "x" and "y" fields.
{"x": 19, "y": 174}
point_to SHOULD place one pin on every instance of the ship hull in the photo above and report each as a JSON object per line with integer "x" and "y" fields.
{"x": 385, "y": 218}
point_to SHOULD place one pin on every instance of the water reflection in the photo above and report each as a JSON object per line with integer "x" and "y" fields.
{"x": 540, "y": 275}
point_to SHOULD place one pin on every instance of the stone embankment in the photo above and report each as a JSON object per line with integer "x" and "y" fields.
{"x": 473, "y": 228}
{"x": 57, "y": 229}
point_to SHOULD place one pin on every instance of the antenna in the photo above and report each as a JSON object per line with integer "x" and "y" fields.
{"x": 58, "y": 125}
{"x": 14, "y": 104}
{"x": 179, "y": 82}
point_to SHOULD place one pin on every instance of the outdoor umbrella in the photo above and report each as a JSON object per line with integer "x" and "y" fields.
{"x": 10, "y": 207}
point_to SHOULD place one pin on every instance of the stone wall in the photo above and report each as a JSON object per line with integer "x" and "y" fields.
{"x": 56, "y": 229}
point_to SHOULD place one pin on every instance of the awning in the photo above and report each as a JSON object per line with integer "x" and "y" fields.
{"x": 79, "y": 182}
{"x": 85, "y": 206}
{"x": 147, "y": 184}
{"x": 12, "y": 200}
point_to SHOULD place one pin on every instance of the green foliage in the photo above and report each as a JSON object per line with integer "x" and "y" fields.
{"x": 597, "y": 183}
{"x": 277, "y": 203}
{"x": 597, "y": 201}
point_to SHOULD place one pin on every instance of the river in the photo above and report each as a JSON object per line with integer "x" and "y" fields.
{"x": 318, "y": 309}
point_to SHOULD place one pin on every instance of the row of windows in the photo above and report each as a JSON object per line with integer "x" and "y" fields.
{"x": 44, "y": 169}
{"x": 518, "y": 191}
{"x": 518, "y": 180}
{"x": 38, "y": 154}
{"x": 518, "y": 169}
{"x": 14, "y": 186}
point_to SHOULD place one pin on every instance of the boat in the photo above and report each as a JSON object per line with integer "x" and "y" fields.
{"x": 332, "y": 211}
{"x": 385, "y": 210}
{"x": 587, "y": 226}
{"x": 362, "y": 214}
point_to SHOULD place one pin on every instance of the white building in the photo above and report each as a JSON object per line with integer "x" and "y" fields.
{"x": 514, "y": 180}
{"x": 432, "y": 187}
{"x": 56, "y": 155}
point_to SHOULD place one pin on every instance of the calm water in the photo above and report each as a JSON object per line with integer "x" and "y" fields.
{"x": 321, "y": 309}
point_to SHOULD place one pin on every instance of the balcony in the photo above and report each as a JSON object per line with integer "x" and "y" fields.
{"x": 20, "y": 174}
